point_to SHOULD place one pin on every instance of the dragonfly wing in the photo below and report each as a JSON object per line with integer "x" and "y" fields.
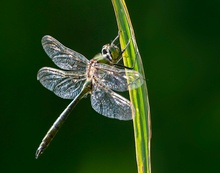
{"x": 110, "y": 104}
{"x": 62, "y": 56}
{"x": 64, "y": 84}
{"x": 118, "y": 79}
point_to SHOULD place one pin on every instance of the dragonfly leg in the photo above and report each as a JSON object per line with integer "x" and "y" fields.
{"x": 112, "y": 43}
{"x": 120, "y": 55}
{"x": 125, "y": 47}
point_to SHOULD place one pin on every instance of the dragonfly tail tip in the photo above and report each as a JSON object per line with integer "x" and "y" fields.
{"x": 38, "y": 153}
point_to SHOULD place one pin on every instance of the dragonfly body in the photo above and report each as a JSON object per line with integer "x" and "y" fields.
{"x": 97, "y": 77}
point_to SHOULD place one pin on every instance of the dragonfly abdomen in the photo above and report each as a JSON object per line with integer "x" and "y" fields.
{"x": 61, "y": 119}
{"x": 50, "y": 135}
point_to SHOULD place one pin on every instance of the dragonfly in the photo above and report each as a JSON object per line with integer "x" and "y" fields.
{"x": 99, "y": 77}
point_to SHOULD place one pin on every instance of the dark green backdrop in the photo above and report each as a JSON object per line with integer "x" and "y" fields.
{"x": 180, "y": 46}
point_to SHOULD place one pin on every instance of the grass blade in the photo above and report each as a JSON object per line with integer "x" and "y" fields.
{"x": 139, "y": 97}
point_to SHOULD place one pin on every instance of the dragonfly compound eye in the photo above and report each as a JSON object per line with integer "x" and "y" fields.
{"x": 104, "y": 51}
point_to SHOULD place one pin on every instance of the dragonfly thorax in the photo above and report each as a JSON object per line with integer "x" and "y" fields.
{"x": 91, "y": 69}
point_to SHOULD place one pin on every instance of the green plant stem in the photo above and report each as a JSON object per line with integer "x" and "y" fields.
{"x": 138, "y": 97}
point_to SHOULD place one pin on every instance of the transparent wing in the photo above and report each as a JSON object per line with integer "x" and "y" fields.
{"x": 64, "y": 84}
{"x": 62, "y": 56}
{"x": 110, "y": 104}
{"x": 118, "y": 79}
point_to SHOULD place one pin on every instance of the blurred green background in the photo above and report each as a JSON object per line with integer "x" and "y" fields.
{"x": 180, "y": 46}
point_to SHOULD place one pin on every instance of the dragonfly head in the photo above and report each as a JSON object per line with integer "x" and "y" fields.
{"x": 111, "y": 53}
